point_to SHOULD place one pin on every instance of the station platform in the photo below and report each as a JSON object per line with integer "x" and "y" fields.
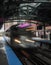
{"x": 7, "y": 56}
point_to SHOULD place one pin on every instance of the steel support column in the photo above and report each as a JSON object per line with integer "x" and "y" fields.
{"x": 44, "y": 31}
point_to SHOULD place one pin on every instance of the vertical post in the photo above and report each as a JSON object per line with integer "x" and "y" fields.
{"x": 4, "y": 24}
{"x": 27, "y": 12}
{"x": 44, "y": 34}
{"x": 44, "y": 31}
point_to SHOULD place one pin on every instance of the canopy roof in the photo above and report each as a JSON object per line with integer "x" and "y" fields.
{"x": 26, "y": 9}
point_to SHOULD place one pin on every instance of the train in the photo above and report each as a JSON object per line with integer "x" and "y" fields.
{"x": 21, "y": 36}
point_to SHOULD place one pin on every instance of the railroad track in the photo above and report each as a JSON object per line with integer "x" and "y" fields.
{"x": 45, "y": 53}
{"x": 25, "y": 59}
{"x": 29, "y": 57}
{"x": 37, "y": 58}
{"x": 44, "y": 57}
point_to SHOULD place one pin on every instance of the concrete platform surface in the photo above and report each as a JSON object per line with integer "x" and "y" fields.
{"x": 3, "y": 59}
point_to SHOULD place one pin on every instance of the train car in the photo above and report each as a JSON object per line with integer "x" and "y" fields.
{"x": 20, "y": 37}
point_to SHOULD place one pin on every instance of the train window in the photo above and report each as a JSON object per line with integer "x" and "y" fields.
{"x": 39, "y": 27}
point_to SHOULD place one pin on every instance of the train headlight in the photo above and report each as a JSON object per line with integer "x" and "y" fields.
{"x": 17, "y": 41}
{"x": 29, "y": 40}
